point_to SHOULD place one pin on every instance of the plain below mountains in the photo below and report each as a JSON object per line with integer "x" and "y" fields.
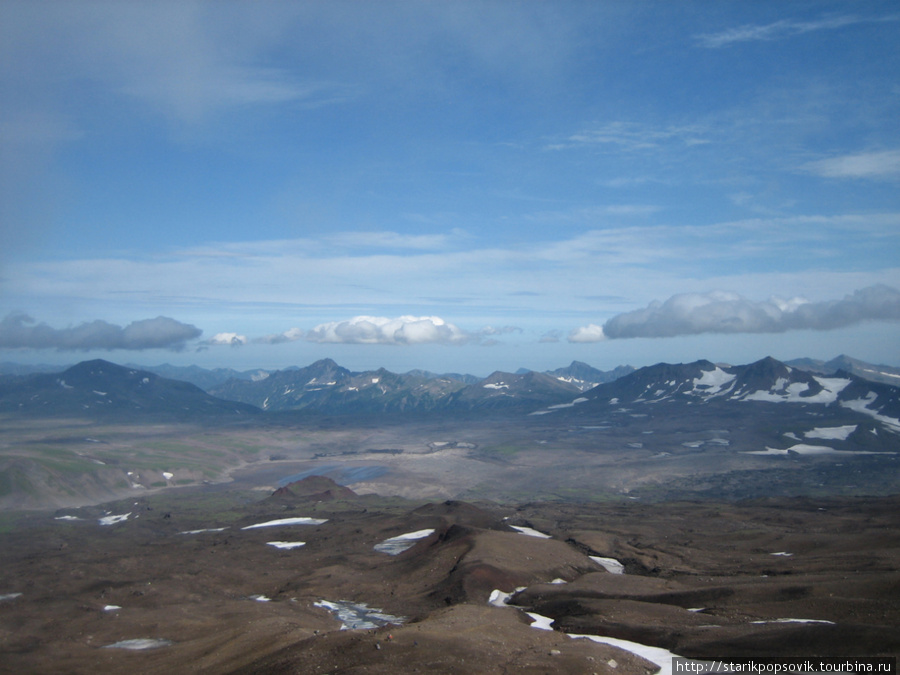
{"x": 664, "y": 431}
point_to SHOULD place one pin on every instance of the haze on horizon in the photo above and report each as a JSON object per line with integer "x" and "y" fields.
{"x": 458, "y": 186}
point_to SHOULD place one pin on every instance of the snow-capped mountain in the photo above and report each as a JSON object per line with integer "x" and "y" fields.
{"x": 587, "y": 377}
{"x": 327, "y": 387}
{"x": 512, "y": 390}
{"x": 727, "y": 392}
{"x": 868, "y": 371}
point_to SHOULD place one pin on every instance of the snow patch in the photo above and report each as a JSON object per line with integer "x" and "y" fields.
{"x": 286, "y": 544}
{"x": 540, "y": 622}
{"x": 657, "y": 655}
{"x": 611, "y": 565}
{"x": 711, "y": 382}
{"x": 795, "y": 621}
{"x": 831, "y": 433}
{"x": 140, "y": 644}
{"x": 358, "y": 615}
{"x": 399, "y": 544}
{"x": 831, "y": 387}
{"x": 287, "y": 521}
{"x": 861, "y": 405}
{"x": 804, "y": 449}
{"x": 530, "y": 532}
{"x": 500, "y": 598}
{"x": 112, "y": 520}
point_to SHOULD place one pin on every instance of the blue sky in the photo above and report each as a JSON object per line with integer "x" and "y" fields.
{"x": 456, "y": 186}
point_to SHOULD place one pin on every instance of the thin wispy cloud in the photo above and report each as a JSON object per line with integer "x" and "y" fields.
{"x": 587, "y": 216}
{"x": 634, "y": 137}
{"x": 290, "y": 335}
{"x": 730, "y": 313}
{"x": 270, "y": 172}
{"x": 20, "y": 331}
{"x": 556, "y": 273}
{"x": 882, "y": 164}
{"x": 551, "y": 337}
{"x": 392, "y": 240}
{"x": 783, "y": 28}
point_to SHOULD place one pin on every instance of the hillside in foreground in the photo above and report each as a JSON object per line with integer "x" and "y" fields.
{"x": 210, "y": 582}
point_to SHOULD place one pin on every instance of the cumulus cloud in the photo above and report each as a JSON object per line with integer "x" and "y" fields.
{"x": 228, "y": 339}
{"x": 290, "y": 335}
{"x": 722, "y": 312}
{"x": 20, "y": 331}
{"x": 405, "y": 330}
{"x": 589, "y": 333}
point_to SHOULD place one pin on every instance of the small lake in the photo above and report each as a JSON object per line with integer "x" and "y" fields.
{"x": 340, "y": 474}
{"x": 282, "y": 473}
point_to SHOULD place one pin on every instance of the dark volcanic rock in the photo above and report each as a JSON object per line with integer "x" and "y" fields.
{"x": 313, "y": 489}
{"x": 780, "y": 577}
{"x": 455, "y": 512}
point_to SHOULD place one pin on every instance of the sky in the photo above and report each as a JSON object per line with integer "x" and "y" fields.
{"x": 453, "y": 186}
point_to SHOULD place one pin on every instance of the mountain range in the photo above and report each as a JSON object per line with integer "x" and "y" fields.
{"x": 102, "y": 388}
{"x": 662, "y": 431}
{"x": 763, "y": 407}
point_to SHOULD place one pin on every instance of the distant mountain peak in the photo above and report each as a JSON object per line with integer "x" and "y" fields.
{"x": 99, "y": 388}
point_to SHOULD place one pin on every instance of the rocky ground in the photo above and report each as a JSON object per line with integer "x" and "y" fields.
{"x": 774, "y": 577}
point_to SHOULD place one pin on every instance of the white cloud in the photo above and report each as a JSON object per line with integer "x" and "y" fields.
{"x": 722, "y": 312}
{"x": 372, "y": 240}
{"x": 545, "y": 284}
{"x": 404, "y": 330}
{"x": 589, "y": 333}
{"x": 551, "y": 337}
{"x": 502, "y": 330}
{"x": 782, "y": 29}
{"x": 633, "y": 136}
{"x": 230, "y": 339}
{"x": 185, "y": 60}
{"x": 290, "y": 335}
{"x": 19, "y": 331}
{"x": 883, "y": 164}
